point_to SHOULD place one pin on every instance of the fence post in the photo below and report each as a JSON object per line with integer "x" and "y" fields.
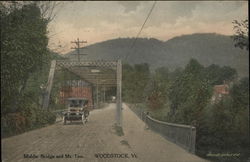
{"x": 146, "y": 118}
{"x": 141, "y": 115}
{"x": 193, "y": 139}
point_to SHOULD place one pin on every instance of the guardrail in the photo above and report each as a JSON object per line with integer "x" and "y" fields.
{"x": 182, "y": 135}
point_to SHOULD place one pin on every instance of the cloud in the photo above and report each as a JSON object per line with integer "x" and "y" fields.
{"x": 211, "y": 12}
{"x": 98, "y": 21}
{"x": 129, "y": 5}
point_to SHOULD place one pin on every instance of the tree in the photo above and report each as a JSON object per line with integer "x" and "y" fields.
{"x": 135, "y": 79}
{"x": 240, "y": 94}
{"x": 229, "y": 129}
{"x": 157, "y": 89}
{"x": 24, "y": 64}
{"x": 127, "y": 84}
{"x": 217, "y": 75}
{"x": 189, "y": 94}
{"x": 241, "y": 34}
{"x": 23, "y": 49}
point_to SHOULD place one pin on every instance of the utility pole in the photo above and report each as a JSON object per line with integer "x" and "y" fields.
{"x": 119, "y": 93}
{"x": 77, "y": 42}
{"x": 97, "y": 91}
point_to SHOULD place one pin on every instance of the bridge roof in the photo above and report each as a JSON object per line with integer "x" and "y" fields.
{"x": 95, "y": 72}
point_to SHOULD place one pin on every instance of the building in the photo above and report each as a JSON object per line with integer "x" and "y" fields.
{"x": 219, "y": 91}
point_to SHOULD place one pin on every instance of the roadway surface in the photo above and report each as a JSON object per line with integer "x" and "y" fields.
{"x": 80, "y": 143}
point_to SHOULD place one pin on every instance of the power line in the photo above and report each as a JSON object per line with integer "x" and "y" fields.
{"x": 133, "y": 44}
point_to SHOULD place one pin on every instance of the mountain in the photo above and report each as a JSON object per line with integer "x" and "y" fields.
{"x": 207, "y": 48}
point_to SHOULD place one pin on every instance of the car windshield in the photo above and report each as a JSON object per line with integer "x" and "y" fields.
{"x": 77, "y": 103}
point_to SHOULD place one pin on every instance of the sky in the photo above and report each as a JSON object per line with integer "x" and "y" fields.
{"x": 97, "y": 21}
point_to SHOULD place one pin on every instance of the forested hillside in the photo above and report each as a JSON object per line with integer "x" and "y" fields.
{"x": 206, "y": 48}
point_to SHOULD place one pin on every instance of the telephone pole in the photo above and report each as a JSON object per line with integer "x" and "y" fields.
{"x": 77, "y": 42}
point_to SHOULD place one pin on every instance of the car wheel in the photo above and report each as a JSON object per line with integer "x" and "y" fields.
{"x": 83, "y": 119}
{"x": 86, "y": 113}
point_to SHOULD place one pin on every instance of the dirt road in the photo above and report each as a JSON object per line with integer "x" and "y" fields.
{"x": 77, "y": 142}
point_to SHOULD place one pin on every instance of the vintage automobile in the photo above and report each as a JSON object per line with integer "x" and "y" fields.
{"x": 77, "y": 110}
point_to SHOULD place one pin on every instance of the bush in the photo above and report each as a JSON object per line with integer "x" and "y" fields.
{"x": 43, "y": 117}
{"x": 226, "y": 133}
{"x": 31, "y": 117}
{"x": 13, "y": 123}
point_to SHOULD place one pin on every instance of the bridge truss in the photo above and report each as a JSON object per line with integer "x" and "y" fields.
{"x": 105, "y": 73}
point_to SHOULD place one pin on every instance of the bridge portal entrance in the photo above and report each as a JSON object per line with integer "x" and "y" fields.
{"x": 100, "y": 74}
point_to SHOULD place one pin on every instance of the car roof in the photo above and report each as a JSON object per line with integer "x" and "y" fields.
{"x": 77, "y": 98}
